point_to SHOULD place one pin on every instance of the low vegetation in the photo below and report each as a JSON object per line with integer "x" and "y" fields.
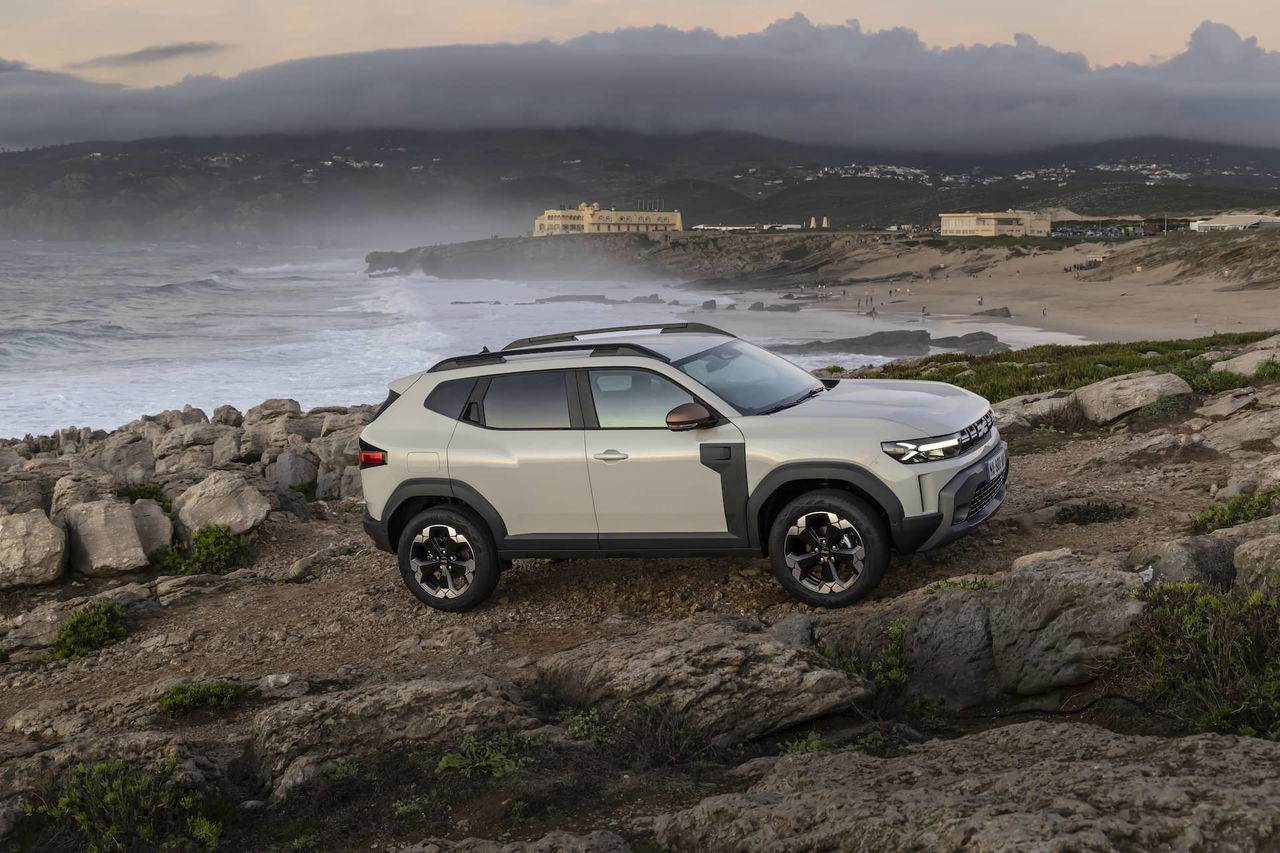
{"x": 1045, "y": 368}
{"x": 1237, "y": 510}
{"x": 148, "y": 491}
{"x": 91, "y": 628}
{"x": 1094, "y": 512}
{"x": 113, "y": 806}
{"x": 971, "y": 584}
{"x": 213, "y": 696}
{"x": 643, "y": 734}
{"x": 493, "y": 755}
{"x": 213, "y": 550}
{"x": 1212, "y": 659}
{"x": 810, "y": 743}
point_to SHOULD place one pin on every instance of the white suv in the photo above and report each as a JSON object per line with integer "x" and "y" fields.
{"x": 670, "y": 440}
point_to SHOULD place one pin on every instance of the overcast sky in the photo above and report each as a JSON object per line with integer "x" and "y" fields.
{"x": 927, "y": 75}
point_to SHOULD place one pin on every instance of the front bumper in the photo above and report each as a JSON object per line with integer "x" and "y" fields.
{"x": 377, "y": 531}
{"x": 968, "y": 499}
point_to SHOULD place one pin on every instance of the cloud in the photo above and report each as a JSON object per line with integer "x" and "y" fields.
{"x": 8, "y": 65}
{"x": 793, "y": 79}
{"x": 155, "y": 53}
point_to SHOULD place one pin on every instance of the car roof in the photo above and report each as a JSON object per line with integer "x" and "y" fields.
{"x": 671, "y": 347}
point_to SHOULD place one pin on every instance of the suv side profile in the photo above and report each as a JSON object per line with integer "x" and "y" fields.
{"x": 671, "y": 440}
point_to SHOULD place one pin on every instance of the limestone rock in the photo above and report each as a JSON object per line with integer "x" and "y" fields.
{"x": 293, "y": 740}
{"x": 1257, "y": 564}
{"x": 104, "y": 540}
{"x": 1200, "y": 559}
{"x": 1257, "y": 355}
{"x": 1021, "y": 412}
{"x": 1034, "y": 786}
{"x": 33, "y": 549}
{"x": 155, "y": 530}
{"x": 223, "y": 498}
{"x": 227, "y": 416}
{"x": 1248, "y": 432}
{"x": 292, "y": 468}
{"x": 1227, "y": 403}
{"x": 272, "y": 409}
{"x": 553, "y": 842}
{"x": 726, "y": 673}
{"x": 1116, "y": 397}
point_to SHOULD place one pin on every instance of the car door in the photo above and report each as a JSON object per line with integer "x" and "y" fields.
{"x": 649, "y": 482}
{"x": 521, "y": 445}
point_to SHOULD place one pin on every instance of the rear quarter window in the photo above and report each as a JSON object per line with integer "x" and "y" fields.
{"x": 449, "y": 397}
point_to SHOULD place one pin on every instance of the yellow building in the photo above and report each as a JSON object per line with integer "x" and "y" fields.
{"x": 1011, "y": 223}
{"x": 590, "y": 219}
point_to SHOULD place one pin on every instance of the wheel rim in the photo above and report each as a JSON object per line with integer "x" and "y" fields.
{"x": 443, "y": 561}
{"x": 824, "y": 552}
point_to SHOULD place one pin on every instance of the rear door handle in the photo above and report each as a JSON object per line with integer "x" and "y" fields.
{"x": 611, "y": 455}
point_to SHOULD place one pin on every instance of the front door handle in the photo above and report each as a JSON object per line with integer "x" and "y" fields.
{"x": 611, "y": 455}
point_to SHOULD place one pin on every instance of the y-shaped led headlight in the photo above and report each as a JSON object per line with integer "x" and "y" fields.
{"x": 925, "y": 449}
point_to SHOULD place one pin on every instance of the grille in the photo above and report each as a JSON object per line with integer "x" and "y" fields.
{"x": 985, "y": 494}
{"x": 976, "y": 431}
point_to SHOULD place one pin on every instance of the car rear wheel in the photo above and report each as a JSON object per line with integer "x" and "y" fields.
{"x": 448, "y": 559}
{"x": 828, "y": 548}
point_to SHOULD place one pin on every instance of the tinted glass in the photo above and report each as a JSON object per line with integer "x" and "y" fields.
{"x": 750, "y": 378}
{"x": 448, "y": 398}
{"x": 527, "y": 401}
{"x": 634, "y": 398}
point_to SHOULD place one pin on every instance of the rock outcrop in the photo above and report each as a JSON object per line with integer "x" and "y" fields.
{"x": 223, "y": 499}
{"x": 32, "y": 549}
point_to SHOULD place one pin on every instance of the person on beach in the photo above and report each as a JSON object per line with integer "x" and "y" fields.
{"x": 979, "y": 301}
{"x": 1044, "y": 312}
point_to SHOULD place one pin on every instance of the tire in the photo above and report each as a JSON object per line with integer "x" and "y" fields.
{"x": 840, "y": 525}
{"x": 467, "y": 545}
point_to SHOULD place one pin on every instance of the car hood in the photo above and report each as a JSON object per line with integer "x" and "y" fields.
{"x": 925, "y": 408}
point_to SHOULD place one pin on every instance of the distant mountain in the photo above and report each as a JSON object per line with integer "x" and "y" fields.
{"x": 383, "y": 188}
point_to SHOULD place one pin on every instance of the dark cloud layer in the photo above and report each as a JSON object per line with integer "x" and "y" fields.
{"x": 155, "y": 53}
{"x": 795, "y": 80}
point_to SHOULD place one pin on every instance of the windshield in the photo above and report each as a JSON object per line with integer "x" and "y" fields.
{"x": 752, "y": 380}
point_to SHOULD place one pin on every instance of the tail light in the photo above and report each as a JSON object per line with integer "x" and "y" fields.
{"x": 370, "y": 456}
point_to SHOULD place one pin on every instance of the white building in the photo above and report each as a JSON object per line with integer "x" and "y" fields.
{"x": 1236, "y": 222}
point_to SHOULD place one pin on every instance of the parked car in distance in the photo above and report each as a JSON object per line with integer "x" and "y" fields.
{"x": 671, "y": 440}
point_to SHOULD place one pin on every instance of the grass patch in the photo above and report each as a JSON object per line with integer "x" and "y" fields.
{"x": 213, "y": 550}
{"x": 1165, "y": 407}
{"x": 643, "y": 734}
{"x": 975, "y": 584}
{"x": 148, "y": 491}
{"x": 807, "y": 745}
{"x": 1216, "y": 381}
{"x": 113, "y": 806}
{"x": 1268, "y": 372}
{"x": 1237, "y": 510}
{"x": 494, "y": 755}
{"x": 1213, "y": 659}
{"x": 89, "y": 629}
{"x": 1003, "y": 375}
{"x": 1093, "y": 512}
{"x": 214, "y": 696}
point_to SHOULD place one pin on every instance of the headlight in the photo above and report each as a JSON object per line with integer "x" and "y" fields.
{"x": 942, "y": 446}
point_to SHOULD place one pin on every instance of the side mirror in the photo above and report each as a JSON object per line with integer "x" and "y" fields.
{"x": 689, "y": 416}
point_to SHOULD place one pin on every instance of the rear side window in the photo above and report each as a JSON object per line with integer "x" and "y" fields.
{"x": 527, "y": 401}
{"x": 448, "y": 398}
{"x": 391, "y": 398}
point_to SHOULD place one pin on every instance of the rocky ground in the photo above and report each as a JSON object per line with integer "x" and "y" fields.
{"x": 635, "y": 705}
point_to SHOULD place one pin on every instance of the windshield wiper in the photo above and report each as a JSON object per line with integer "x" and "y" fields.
{"x": 797, "y": 401}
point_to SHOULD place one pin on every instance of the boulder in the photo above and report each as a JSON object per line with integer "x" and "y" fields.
{"x": 293, "y": 740}
{"x": 1036, "y": 786}
{"x": 272, "y": 409}
{"x": 292, "y": 468}
{"x": 1199, "y": 559}
{"x": 128, "y": 455}
{"x": 1257, "y": 564}
{"x": 224, "y": 498}
{"x": 23, "y": 491}
{"x": 104, "y": 539}
{"x": 1251, "y": 432}
{"x": 227, "y": 416}
{"x": 80, "y": 486}
{"x": 1227, "y": 403}
{"x": 1021, "y": 412}
{"x": 155, "y": 530}
{"x": 192, "y": 435}
{"x": 33, "y": 549}
{"x": 1105, "y": 401}
{"x": 1253, "y": 358}
{"x": 725, "y": 673}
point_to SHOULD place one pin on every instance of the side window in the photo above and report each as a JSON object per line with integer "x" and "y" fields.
{"x": 449, "y": 397}
{"x": 635, "y": 399}
{"x": 527, "y": 401}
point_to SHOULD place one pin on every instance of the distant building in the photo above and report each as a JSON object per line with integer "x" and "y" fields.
{"x": 1011, "y": 223}
{"x": 590, "y": 219}
{"x": 1236, "y": 222}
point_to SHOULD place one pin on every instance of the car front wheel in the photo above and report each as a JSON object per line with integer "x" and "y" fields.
{"x": 828, "y": 548}
{"x": 448, "y": 559}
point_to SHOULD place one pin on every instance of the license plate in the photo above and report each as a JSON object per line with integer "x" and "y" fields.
{"x": 995, "y": 467}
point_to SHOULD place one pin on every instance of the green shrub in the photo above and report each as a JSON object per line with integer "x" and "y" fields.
{"x": 214, "y": 550}
{"x": 494, "y": 755}
{"x": 1212, "y": 658}
{"x": 1165, "y": 407}
{"x": 1237, "y": 510}
{"x": 213, "y": 695}
{"x": 974, "y": 584}
{"x": 114, "y": 806}
{"x": 889, "y": 668}
{"x": 646, "y": 734}
{"x": 1215, "y": 381}
{"x": 1093, "y": 512}
{"x": 1268, "y": 372}
{"x": 144, "y": 491}
{"x": 305, "y": 841}
{"x": 91, "y": 628}
{"x": 813, "y": 742}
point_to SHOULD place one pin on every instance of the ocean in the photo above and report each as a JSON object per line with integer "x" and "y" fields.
{"x": 97, "y": 334}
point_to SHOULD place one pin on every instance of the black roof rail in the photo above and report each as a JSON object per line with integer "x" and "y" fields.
{"x": 663, "y": 328}
{"x": 600, "y": 349}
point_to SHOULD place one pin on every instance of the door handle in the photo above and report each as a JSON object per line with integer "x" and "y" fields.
{"x": 611, "y": 455}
